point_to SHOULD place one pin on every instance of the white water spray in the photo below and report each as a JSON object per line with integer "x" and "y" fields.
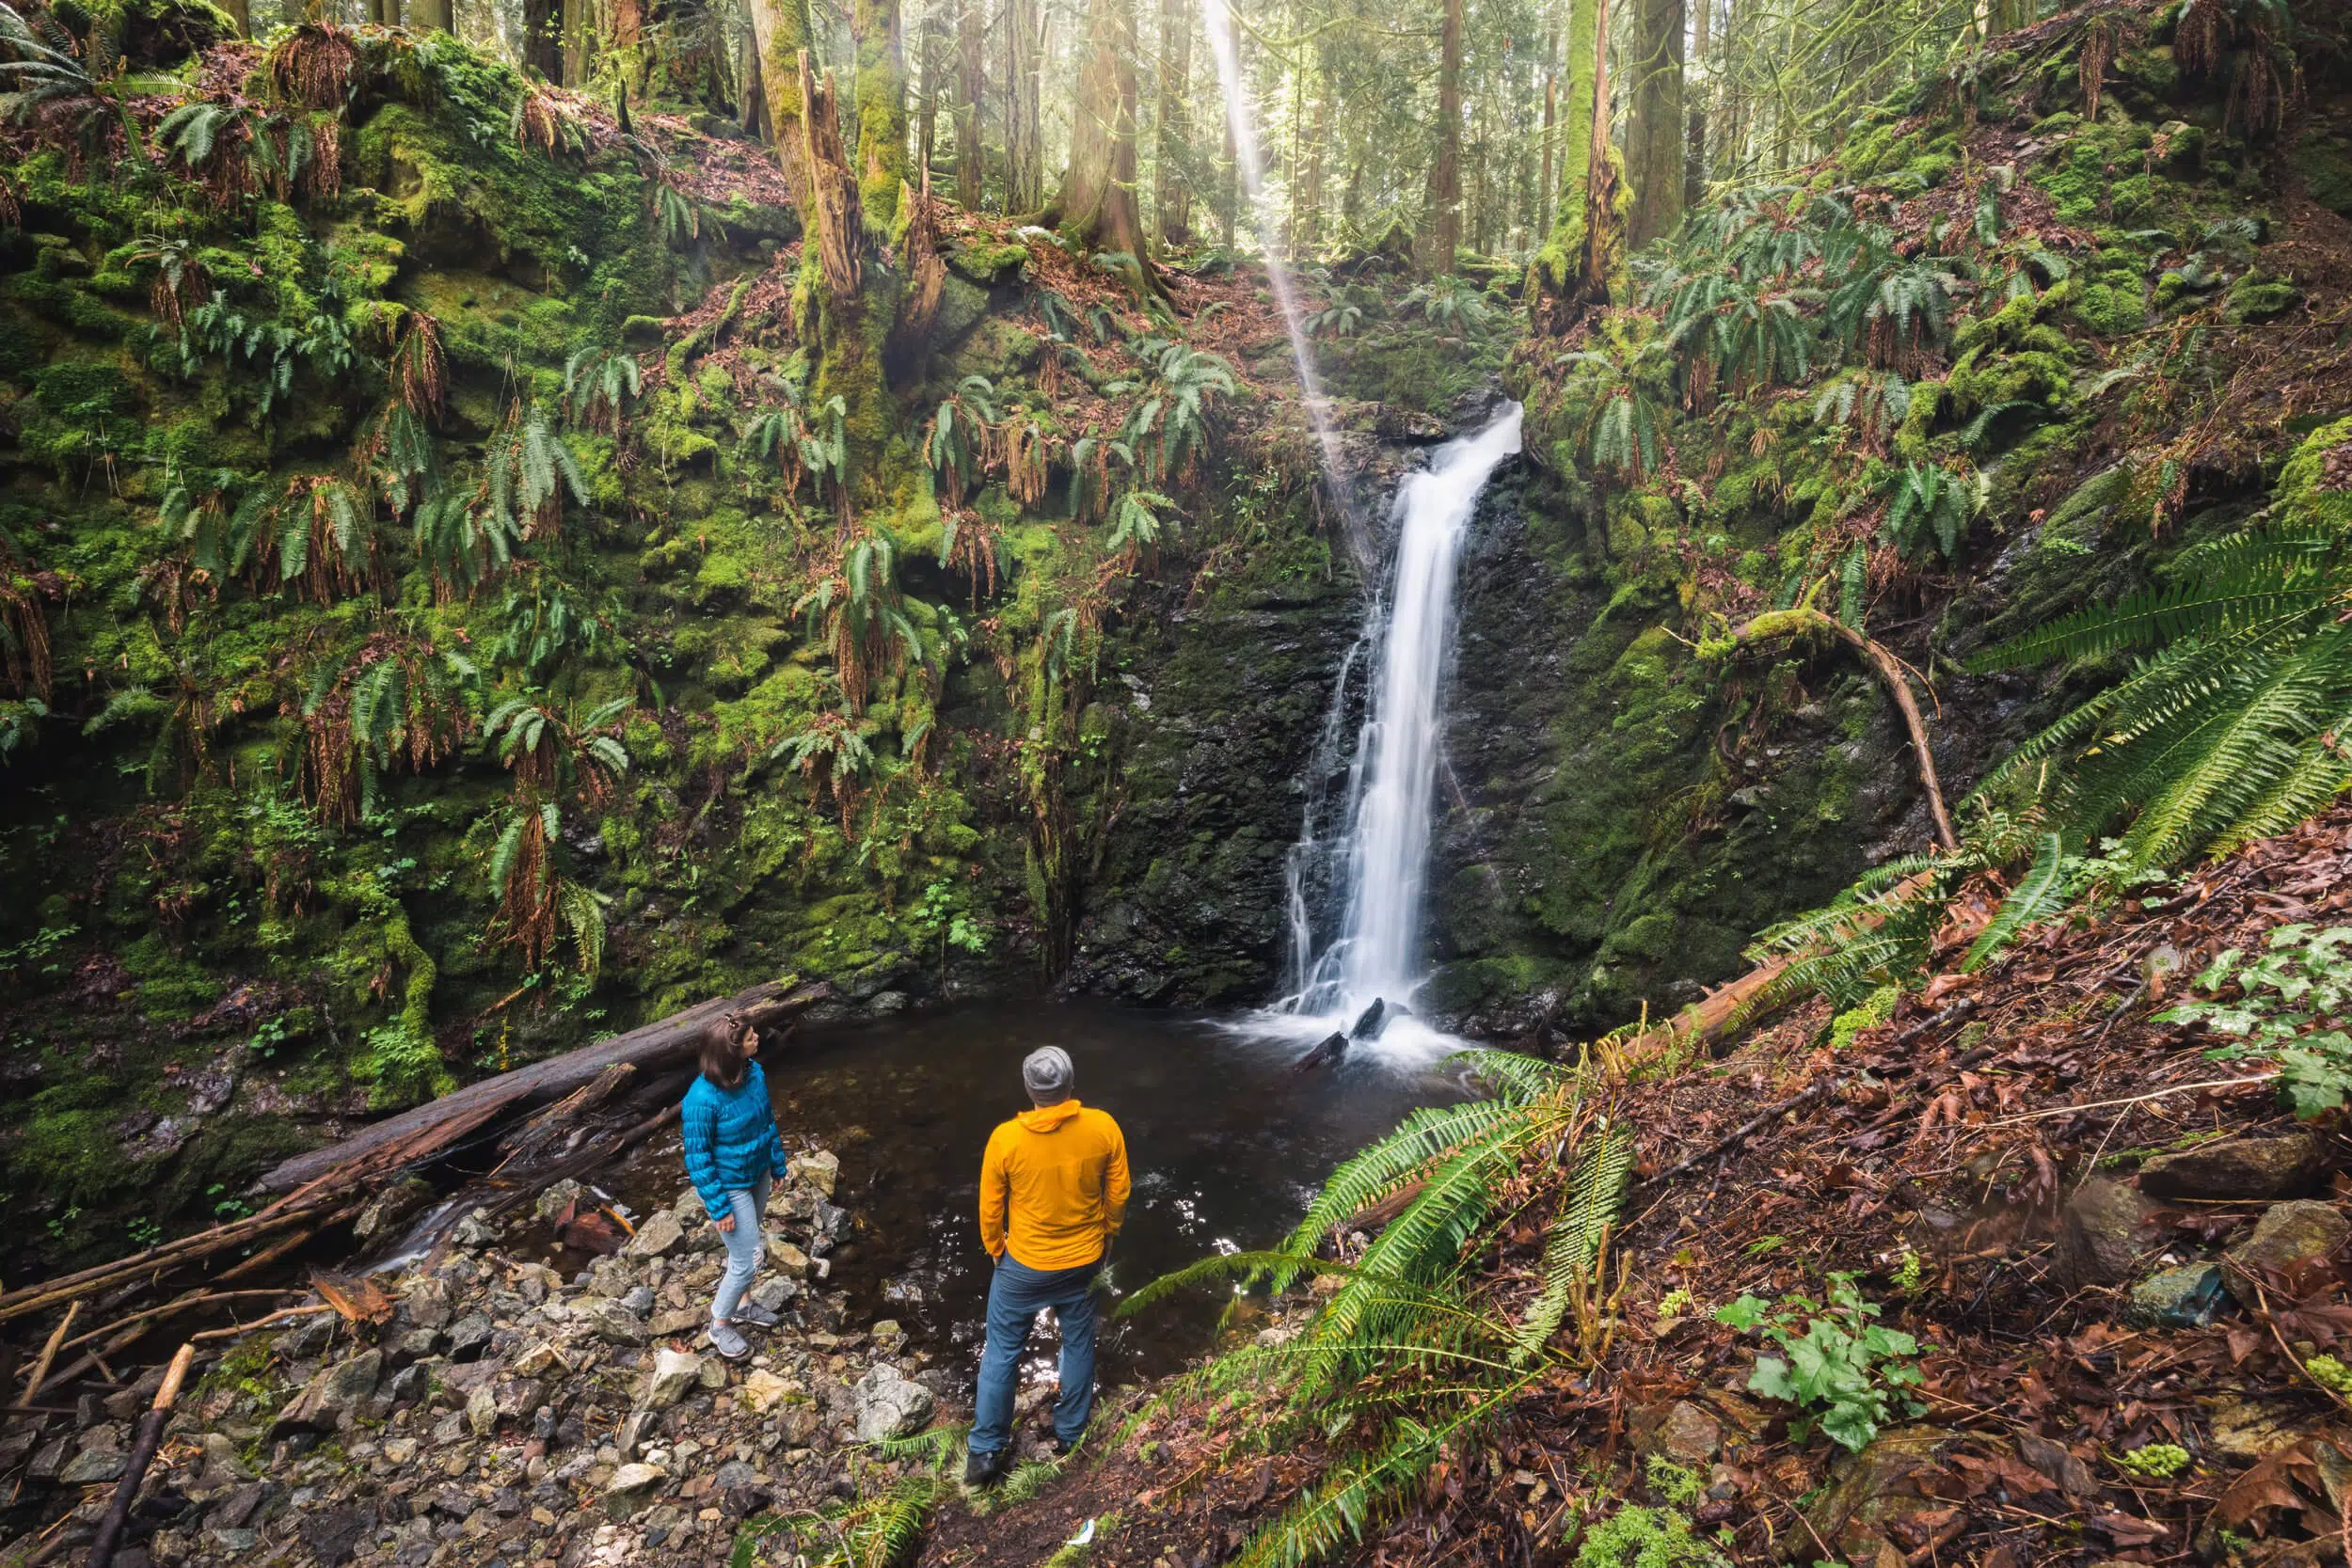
{"x": 1242, "y": 120}
{"x": 1383, "y": 858}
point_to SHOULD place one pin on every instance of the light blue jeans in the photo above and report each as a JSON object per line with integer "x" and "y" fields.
{"x": 745, "y": 1244}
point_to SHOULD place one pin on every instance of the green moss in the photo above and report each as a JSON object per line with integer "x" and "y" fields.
{"x": 2110, "y": 311}
{"x": 2255, "y": 298}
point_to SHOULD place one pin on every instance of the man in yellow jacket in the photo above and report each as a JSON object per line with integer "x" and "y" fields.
{"x": 1053, "y": 1192}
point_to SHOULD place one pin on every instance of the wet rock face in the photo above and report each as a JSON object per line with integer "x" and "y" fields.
{"x": 1217, "y": 726}
{"x": 1610, "y": 831}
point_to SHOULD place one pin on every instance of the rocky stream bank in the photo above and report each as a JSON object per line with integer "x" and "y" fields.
{"x": 481, "y": 1406}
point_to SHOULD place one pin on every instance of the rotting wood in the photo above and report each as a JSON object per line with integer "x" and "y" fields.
{"x": 655, "y": 1046}
{"x": 187, "y": 1303}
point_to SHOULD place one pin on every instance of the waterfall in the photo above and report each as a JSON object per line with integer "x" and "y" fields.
{"x": 1373, "y": 841}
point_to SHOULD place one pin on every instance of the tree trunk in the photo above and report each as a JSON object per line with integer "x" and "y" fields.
{"x": 930, "y": 66}
{"x": 1172, "y": 174}
{"x": 433, "y": 16}
{"x": 1583, "y": 260}
{"x": 1552, "y": 114}
{"x": 882, "y": 110}
{"x": 782, "y": 32}
{"x": 1441, "y": 204}
{"x": 543, "y": 43}
{"x": 971, "y": 94}
{"x": 1654, "y": 141}
{"x": 240, "y": 14}
{"x": 1097, "y": 206}
{"x": 672, "y": 1041}
{"x": 1025, "y": 143}
{"x": 1229, "y": 188}
{"x": 1307, "y": 213}
{"x": 849, "y": 319}
{"x": 1694, "y": 92}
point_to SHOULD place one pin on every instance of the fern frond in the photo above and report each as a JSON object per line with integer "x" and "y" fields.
{"x": 2041, "y": 892}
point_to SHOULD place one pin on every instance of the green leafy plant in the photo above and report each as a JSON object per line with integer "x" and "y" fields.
{"x": 2228, "y": 729}
{"x": 2292, "y": 1006}
{"x": 2158, "y": 1460}
{"x": 1929, "y": 504}
{"x": 1847, "y": 1375}
{"x": 1638, "y": 1537}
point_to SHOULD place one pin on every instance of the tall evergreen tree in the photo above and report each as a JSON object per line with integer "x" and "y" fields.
{"x": 1441, "y": 204}
{"x": 1656, "y": 138}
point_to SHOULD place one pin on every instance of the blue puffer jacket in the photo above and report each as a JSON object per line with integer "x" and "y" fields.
{"x": 731, "y": 1138}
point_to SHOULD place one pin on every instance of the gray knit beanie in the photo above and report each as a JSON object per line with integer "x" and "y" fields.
{"x": 1046, "y": 1073}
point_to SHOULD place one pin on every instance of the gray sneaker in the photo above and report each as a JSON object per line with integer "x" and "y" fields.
{"x": 727, "y": 1342}
{"x": 758, "y": 1315}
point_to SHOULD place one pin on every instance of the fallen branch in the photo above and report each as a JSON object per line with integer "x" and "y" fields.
{"x": 1803, "y": 620}
{"x": 49, "y": 1351}
{"x": 185, "y": 1303}
{"x": 283, "y": 1315}
{"x": 143, "y": 1444}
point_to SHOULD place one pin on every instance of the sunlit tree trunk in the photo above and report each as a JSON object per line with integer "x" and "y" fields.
{"x": 1229, "y": 191}
{"x": 1097, "y": 206}
{"x": 1172, "y": 171}
{"x": 881, "y": 109}
{"x": 971, "y": 93}
{"x": 1654, "y": 140}
{"x": 432, "y": 15}
{"x": 1695, "y": 96}
{"x": 782, "y": 32}
{"x": 1582, "y": 262}
{"x": 1441, "y": 204}
{"x": 238, "y": 12}
{"x": 1024, "y": 142}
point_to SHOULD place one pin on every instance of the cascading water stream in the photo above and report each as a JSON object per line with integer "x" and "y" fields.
{"x": 1243, "y": 123}
{"x": 1382, "y": 858}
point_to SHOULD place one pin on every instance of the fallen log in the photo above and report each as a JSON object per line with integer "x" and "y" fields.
{"x": 654, "y": 1047}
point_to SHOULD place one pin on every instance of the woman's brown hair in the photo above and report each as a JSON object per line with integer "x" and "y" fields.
{"x": 723, "y": 1060}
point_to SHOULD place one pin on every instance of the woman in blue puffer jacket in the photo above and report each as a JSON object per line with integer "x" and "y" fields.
{"x": 733, "y": 1151}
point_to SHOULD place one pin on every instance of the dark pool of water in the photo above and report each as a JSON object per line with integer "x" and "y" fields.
{"x": 1225, "y": 1142}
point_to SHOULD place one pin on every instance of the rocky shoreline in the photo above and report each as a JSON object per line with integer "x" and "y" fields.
{"x": 482, "y": 1407}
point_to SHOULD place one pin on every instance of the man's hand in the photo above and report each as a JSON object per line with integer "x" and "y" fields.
{"x": 726, "y": 1225}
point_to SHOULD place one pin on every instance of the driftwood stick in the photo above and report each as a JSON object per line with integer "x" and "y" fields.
{"x": 193, "y": 1299}
{"x": 143, "y": 1446}
{"x": 237, "y": 1330}
{"x": 49, "y": 1351}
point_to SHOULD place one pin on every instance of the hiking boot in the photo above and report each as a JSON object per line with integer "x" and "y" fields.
{"x": 984, "y": 1469}
{"x": 758, "y": 1315}
{"x": 1065, "y": 1447}
{"x": 727, "y": 1342}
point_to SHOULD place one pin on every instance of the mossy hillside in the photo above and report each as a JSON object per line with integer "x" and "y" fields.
{"x": 326, "y": 911}
{"x": 2087, "y": 261}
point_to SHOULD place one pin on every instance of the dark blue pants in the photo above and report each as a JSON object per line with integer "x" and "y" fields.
{"x": 1015, "y": 1296}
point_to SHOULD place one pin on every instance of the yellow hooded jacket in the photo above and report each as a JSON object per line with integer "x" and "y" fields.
{"x": 1054, "y": 1187}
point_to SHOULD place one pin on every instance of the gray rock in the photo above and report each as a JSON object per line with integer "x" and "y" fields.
{"x": 2186, "y": 1297}
{"x": 659, "y": 1237}
{"x": 734, "y": 1473}
{"x": 556, "y": 1200}
{"x": 475, "y": 1230}
{"x": 2286, "y": 1166}
{"x": 333, "y": 1534}
{"x": 236, "y": 1542}
{"x": 613, "y": 1321}
{"x": 674, "y": 1372}
{"x": 93, "y": 1465}
{"x": 469, "y": 1337}
{"x": 427, "y": 1302}
{"x": 885, "y": 1404}
{"x": 633, "y": 1486}
{"x": 775, "y": 1291}
{"x": 332, "y": 1395}
{"x": 638, "y": 1300}
{"x": 2288, "y": 1234}
{"x": 410, "y": 1384}
{"x": 2102, "y": 1233}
